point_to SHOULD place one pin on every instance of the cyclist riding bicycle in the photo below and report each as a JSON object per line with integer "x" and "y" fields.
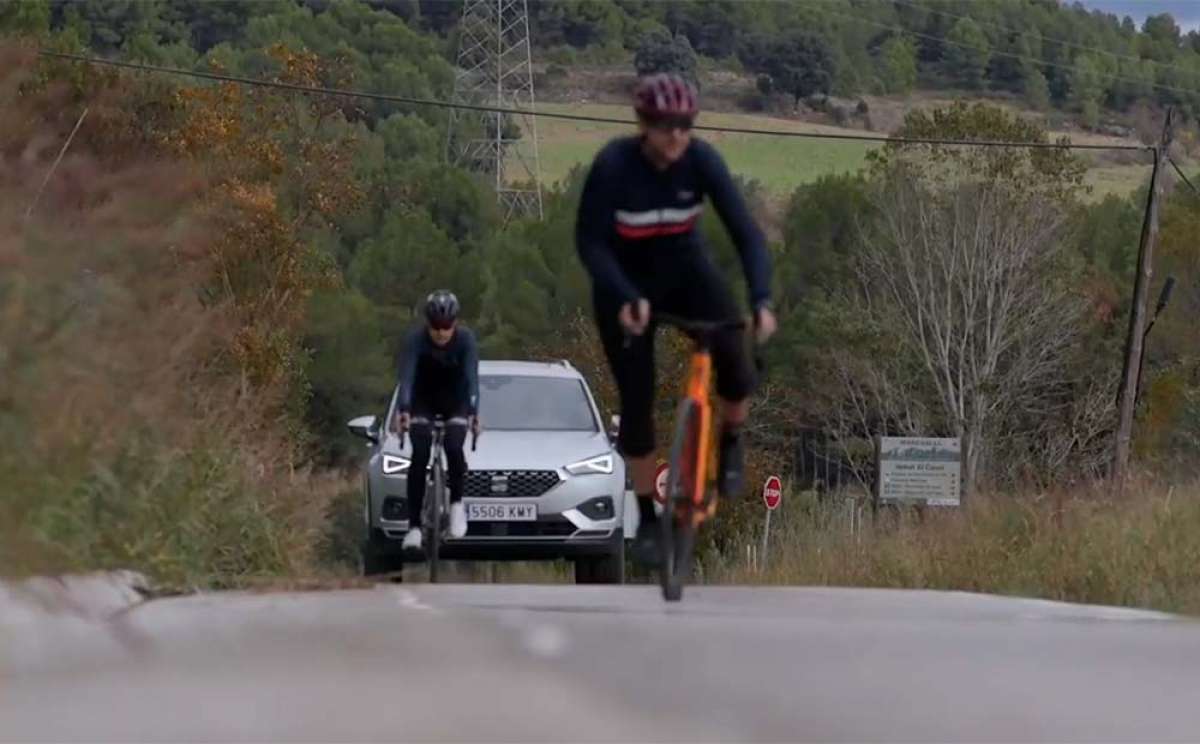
{"x": 636, "y": 233}
{"x": 439, "y": 376}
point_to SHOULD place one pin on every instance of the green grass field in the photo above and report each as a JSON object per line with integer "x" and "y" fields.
{"x": 1116, "y": 179}
{"x": 779, "y": 163}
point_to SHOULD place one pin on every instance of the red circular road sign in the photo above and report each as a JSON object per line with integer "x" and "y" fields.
{"x": 660, "y": 482}
{"x": 773, "y": 492}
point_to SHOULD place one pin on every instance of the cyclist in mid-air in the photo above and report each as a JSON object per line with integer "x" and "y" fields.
{"x": 636, "y": 233}
{"x": 439, "y": 376}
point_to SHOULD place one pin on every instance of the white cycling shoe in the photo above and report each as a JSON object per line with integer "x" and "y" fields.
{"x": 458, "y": 520}
{"x": 412, "y": 540}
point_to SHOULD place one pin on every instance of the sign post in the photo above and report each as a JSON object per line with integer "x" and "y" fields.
{"x": 772, "y": 495}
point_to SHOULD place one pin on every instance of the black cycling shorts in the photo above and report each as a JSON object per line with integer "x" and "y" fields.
{"x": 696, "y": 291}
{"x": 443, "y": 400}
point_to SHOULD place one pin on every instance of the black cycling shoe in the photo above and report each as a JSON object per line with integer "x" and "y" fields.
{"x": 731, "y": 467}
{"x": 645, "y": 544}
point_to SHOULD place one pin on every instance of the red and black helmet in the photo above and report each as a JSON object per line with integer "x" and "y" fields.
{"x": 665, "y": 96}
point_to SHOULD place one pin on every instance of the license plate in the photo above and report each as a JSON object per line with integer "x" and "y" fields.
{"x": 485, "y": 512}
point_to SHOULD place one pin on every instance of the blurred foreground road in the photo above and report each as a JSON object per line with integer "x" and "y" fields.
{"x": 565, "y": 663}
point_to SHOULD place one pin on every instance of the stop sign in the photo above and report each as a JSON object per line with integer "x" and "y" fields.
{"x": 660, "y": 482}
{"x": 772, "y": 492}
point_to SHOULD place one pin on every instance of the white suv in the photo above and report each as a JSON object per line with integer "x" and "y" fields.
{"x": 545, "y": 481}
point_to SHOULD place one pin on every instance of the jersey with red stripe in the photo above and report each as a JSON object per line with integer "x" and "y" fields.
{"x": 636, "y": 221}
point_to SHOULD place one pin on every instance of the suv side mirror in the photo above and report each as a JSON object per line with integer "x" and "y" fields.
{"x": 614, "y": 426}
{"x": 366, "y": 427}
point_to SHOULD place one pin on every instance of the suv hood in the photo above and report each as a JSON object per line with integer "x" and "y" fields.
{"x": 527, "y": 450}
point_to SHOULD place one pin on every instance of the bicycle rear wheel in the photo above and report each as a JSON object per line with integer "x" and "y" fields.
{"x": 435, "y": 532}
{"x": 678, "y": 535}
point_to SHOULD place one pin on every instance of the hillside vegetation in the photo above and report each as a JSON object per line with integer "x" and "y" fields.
{"x": 138, "y": 428}
{"x": 1051, "y": 54}
{"x": 217, "y": 276}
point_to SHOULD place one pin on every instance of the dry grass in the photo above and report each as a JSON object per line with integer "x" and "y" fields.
{"x": 1141, "y": 549}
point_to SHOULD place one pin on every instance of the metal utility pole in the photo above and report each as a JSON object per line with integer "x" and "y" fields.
{"x": 495, "y": 69}
{"x": 1137, "y": 315}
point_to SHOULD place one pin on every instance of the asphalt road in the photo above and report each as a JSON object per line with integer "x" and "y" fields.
{"x": 562, "y": 663}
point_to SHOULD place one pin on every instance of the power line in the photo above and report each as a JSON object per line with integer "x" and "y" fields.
{"x": 343, "y": 93}
{"x": 311, "y": 89}
{"x": 1182, "y": 175}
{"x": 1011, "y": 30}
{"x": 1012, "y": 55}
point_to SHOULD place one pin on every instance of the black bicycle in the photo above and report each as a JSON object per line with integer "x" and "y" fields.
{"x": 436, "y": 508}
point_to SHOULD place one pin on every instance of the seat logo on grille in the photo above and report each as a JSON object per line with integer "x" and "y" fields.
{"x": 500, "y": 483}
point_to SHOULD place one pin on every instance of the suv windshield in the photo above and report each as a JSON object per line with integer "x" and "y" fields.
{"x": 529, "y": 403}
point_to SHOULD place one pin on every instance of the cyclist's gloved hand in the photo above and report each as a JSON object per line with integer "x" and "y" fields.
{"x": 765, "y": 323}
{"x": 401, "y": 421}
{"x": 475, "y": 425}
{"x": 635, "y": 316}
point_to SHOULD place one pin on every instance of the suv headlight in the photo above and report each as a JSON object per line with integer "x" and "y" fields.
{"x": 603, "y": 465}
{"x": 394, "y": 465}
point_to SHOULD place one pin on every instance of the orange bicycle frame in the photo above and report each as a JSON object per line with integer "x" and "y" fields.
{"x": 699, "y": 376}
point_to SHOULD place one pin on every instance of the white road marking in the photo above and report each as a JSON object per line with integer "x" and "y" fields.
{"x": 410, "y": 601}
{"x": 544, "y": 640}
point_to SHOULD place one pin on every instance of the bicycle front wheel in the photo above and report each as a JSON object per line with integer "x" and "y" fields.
{"x": 678, "y": 529}
{"x": 435, "y": 532}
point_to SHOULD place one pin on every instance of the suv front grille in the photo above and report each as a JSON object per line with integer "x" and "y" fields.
{"x": 509, "y": 484}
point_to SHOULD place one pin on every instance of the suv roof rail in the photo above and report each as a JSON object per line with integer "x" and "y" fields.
{"x": 566, "y": 363}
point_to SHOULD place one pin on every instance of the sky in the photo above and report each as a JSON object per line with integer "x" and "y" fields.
{"x": 1185, "y": 12}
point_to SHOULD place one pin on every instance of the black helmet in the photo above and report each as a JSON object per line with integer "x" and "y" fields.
{"x": 441, "y": 308}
